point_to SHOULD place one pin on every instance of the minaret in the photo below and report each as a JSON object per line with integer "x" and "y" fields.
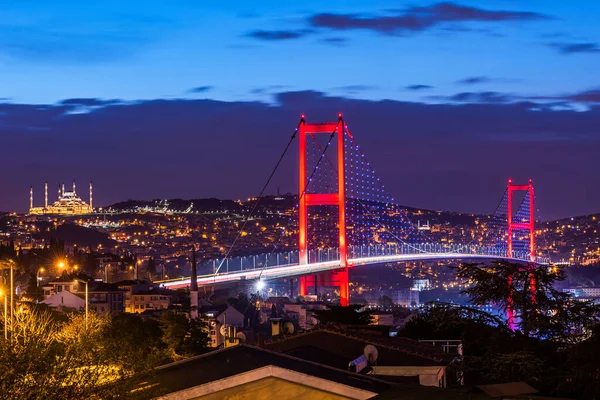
{"x": 91, "y": 205}
{"x": 46, "y": 195}
{"x": 58, "y": 192}
{"x": 73, "y": 187}
{"x": 63, "y": 189}
{"x": 30, "y": 197}
{"x": 194, "y": 288}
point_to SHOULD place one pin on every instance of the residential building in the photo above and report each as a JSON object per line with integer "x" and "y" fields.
{"x": 218, "y": 322}
{"x": 141, "y": 296}
{"x": 65, "y": 301}
{"x": 399, "y": 359}
{"x": 102, "y": 297}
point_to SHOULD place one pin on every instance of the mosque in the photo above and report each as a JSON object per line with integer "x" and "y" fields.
{"x": 68, "y": 203}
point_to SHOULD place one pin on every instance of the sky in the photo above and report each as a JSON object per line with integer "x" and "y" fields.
{"x": 164, "y": 99}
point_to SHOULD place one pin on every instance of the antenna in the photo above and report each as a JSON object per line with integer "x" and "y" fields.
{"x": 371, "y": 353}
{"x": 288, "y": 328}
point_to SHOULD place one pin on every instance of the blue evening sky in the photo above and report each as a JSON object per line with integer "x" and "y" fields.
{"x": 52, "y": 50}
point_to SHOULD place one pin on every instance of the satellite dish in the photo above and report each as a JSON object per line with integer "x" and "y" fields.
{"x": 223, "y": 330}
{"x": 241, "y": 337}
{"x": 371, "y": 353}
{"x": 288, "y": 328}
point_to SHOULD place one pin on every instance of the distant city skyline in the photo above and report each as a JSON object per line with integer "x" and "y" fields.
{"x": 447, "y": 100}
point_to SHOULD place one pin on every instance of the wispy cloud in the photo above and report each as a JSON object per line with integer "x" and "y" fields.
{"x": 419, "y": 18}
{"x": 476, "y": 80}
{"x": 335, "y": 41}
{"x": 355, "y": 88}
{"x": 473, "y": 80}
{"x": 201, "y": 89}
{"x": 278, "y": 35}
{"x": 418, "y": 87}
{"x": 573, "y": 48}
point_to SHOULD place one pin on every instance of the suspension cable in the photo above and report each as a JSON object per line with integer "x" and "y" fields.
{"x": 259, "y": 198}
{"x": 323, "y": 151}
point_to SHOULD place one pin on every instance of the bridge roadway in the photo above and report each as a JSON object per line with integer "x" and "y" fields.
{"x": 294, "y": 269}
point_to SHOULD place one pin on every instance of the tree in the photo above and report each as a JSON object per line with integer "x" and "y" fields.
{"x": 183, "y": 336}
{"x": 386, "y": 302}
{"x": 151, "y": 268}
{"x": 33, "y": 290}
{"x": 135, "y": 341}
{"x": 539, "y": 309}
{"x": 348, "y": 315}
{"x": 44, "y": 359}
{"x": 584, "y": 366}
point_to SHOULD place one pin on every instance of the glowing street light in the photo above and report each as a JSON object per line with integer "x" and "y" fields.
{"x": 2, "y": 294}
{"x": 38, "y": 276}
{"x": 260, "y": 285}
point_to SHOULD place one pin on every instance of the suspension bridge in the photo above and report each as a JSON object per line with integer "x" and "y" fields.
{"x": 346, "y": 218}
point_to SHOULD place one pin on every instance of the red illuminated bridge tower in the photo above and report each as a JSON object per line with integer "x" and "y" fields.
{"x": 524, "y": 223}
{"x": 338, "y": 277}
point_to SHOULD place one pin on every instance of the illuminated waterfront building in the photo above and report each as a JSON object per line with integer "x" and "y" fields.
{"x": 68, "y": 203}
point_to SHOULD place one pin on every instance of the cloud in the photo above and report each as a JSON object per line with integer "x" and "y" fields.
{"x": 272, "y": 36}
{"x": 473, "y": 80}
{"x": 557, "y": 102}
{"x": 201, "y": 89}
{"x": 355, "y": 88}
{"x": 335, "y": 41}
{"x": 88, "y": 102}
{"x": 590, "y": 96}
{"x": 486, "y": 97}
{"x": 476, "y": 80}
{"x": 418, "y": 18}
{"x": 573, "y": 48}
{"x": 418, "y": 149}
{"x": 587, "y": 96}
{"x": 418, "y": 87}
{"x": 267, "y": 89}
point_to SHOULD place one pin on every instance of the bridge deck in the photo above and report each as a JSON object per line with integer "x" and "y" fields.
{"x": 291, "y": 270}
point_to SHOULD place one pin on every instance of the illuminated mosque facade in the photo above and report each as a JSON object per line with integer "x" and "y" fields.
{"x": 68, "y": 203}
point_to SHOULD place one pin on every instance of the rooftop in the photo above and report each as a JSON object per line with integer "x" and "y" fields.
{"x": 337, "y": 348}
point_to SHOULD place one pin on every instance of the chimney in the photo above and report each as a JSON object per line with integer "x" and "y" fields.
{"x": 30, "y": 197}
{"x": 275, "y": 327}
{"x": 261, "y": 341}
{"x": 46, "y": 195}
{"x": 91, "y": 206}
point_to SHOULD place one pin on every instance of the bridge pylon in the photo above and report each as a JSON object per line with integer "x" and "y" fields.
{"x": 528, "y": 225}
{"x": 336, "y": 277}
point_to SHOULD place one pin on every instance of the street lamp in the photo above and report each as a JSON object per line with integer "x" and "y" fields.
{"x": 5, "y": 317}
{"x": 37, "y": 275}
{"x": 86, "y": 299}
{"x": 12, "y": 294}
